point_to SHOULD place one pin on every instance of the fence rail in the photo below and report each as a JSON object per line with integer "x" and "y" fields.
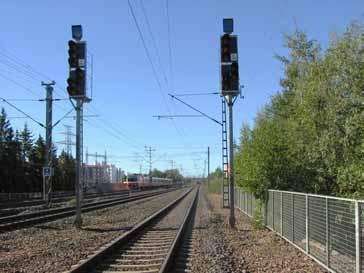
{"x": 328, "y": 229}
{"x": 22, "y": 196}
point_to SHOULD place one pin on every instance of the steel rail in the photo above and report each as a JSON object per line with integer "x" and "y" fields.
{"x": 106, "y": 251}
{"x": 166, "y": 266}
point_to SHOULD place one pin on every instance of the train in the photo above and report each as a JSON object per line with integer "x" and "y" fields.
{"x": 142, "y": 182}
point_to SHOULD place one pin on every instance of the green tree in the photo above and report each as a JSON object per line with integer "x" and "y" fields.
{"x": 65, "y": 172}
{"x": 309, "y": 137}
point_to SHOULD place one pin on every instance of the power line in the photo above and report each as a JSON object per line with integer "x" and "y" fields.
{"x": 21, "y": 111}
{"x": 27, "y": 89}
{"x": 20, "y": 85}
{"x": 176, "y": 116}
{"x": 195, "y": 109}
{"x": 196, "y": 94}
{"x": 169, "y": 42}
{"x": 27, "y": 69}
{"x": 27, "y": 78}
{"x": 63, "y": 117}
{"x": 153, "y": 41}
{"x": 117, "y": 129}
{"x": 33, "y": 99}
{"x": 147, "y": 52}
{"x": 24, "y": 100}
{"x": 20, "y": 62}
{"x": 114, "y": 134}
{"x": 154, "y": 69}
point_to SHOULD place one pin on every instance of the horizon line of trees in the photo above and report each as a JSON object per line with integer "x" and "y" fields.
{"x": 22, "y": 157}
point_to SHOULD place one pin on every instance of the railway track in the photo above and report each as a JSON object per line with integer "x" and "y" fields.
{"x": 25, "y": 220}
{"x": 39, "y": 202}
{"x": 150, "y": 247}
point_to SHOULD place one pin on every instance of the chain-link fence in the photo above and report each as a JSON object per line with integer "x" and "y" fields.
{"x": 328, "y": 229}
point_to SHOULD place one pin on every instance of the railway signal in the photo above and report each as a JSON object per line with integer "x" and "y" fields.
{"x": 77, "y": 69}
{"x": 234, "y": 76}
{"x": 77, "y": 90}
{"x": 76, "y": 54}
{"x": 230, "y": 89}
{"x": 225, "y": 48}
{"x": 76, "y": 83}
{"x": 229, "y": 65}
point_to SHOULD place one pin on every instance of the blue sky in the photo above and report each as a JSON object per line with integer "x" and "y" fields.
{"x": 125, "y": 92}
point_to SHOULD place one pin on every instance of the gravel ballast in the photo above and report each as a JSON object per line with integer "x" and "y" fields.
{"x": 174, "y": 218}
{"x": 56, "y": 246}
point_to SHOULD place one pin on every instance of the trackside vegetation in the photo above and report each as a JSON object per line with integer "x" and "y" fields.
{"x": 310, "y": 136}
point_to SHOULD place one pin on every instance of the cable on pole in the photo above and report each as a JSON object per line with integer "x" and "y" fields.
{"x": 176, "y": 116}
{"x": 196, "y": 94}
{"x": 21, "y": 111}
{"x": 195, "y": 109}
{"x": 62, "y": 118}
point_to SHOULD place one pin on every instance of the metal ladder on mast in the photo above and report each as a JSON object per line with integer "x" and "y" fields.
{"x": 225, "y": 160}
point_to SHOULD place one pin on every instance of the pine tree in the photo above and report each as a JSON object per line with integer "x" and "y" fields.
{"x": 37, "y": 160}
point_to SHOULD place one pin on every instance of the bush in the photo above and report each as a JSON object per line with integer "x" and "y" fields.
{"x": 258, "y": 217}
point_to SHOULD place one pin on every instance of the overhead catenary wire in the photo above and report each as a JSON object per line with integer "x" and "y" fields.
{"x": 195, "y": 94}
{"x": 195, "y": 109}
{"x": 21, "y": 111}
{"x": 13, "y": 73}
{"x": 154, "y": 69}
{"x": 116, "y": 128}
{"x": 149, "y": 27}
{"x": 169, "y": 43}
{"x": 20, "y": 66}
{"x": 62, "y": 118}
{"x": 114, "y": 134}
{"x": 20, "y": 85}
{"x": 26, "y": 69}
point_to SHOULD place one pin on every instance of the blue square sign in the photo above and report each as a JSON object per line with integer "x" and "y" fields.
{"x": 228, "y": 25}
{"x": 47, "y": 171}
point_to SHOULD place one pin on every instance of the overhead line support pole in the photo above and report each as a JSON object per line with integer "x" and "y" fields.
{"x": 231, "y": 163}
{"x": 149, "y": 151}
{"x": 78, "y": 219}
{"x": 208, "y": 167}
{"x": 47, "y": 173}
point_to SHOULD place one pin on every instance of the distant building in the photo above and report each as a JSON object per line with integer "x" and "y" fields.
{"x": 116, "y": 174}
{"x": 101, "y": 173}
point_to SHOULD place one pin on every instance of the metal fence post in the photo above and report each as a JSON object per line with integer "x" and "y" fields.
{"x": 246, "y": 203}
{"x": 266, "y": 208}
{"x": 239, "y": 198}
{"x": 239, "y": 193}
{"x": 273, "y": 211}
{"x": 293, "y": 237}
{"x": 327, "y": 233}
{"x": 281, "y": 213}
{"x": 307, "y": 227}
{"x": 251, "y": 205}
{"x": 357, "y": 237}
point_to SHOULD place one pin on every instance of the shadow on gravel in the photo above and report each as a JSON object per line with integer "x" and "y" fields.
{"x": 102, "y": 230}
{"x": 49, "y": 227}
{"x": 163, "y": 229}
{"x": 200, "y": 227}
